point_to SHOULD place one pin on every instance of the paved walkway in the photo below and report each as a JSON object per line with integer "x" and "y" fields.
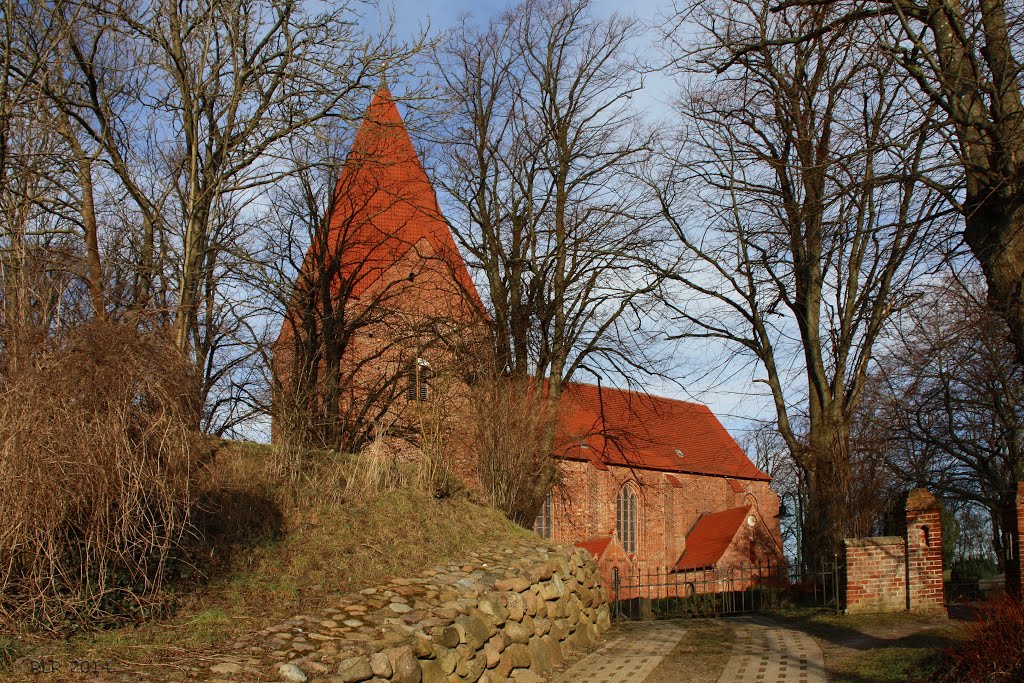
{"x": 630, "y": 655}
{"x": 763, "y": 652}
{"x": 766, "y": 652}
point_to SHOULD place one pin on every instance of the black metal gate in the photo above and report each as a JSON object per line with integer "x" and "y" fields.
{"x": 724, "y": 590}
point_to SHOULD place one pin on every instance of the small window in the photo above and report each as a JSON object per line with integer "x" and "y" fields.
{"x": 626, "y": 518}
{"x": 542, "y": 525}
{"x": 419, "y": 375}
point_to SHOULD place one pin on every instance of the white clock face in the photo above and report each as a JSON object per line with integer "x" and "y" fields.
{"x": 751, "y": 521}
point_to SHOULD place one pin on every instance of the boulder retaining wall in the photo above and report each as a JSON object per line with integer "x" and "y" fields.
{"x": 506, "y": 614}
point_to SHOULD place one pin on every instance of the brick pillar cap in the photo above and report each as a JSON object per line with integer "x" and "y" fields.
{"x": 921, "y": 499}
{"x": 1020, "y": 488}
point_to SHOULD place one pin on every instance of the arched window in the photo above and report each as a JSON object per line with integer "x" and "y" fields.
{"x": 542, "y": 525}
{"x": 626, "y": 518}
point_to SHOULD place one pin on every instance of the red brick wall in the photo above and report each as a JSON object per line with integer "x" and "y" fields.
{"x": 583, "y": 507}
{"x": 924, "y": 553}
{"x": 893, "y": 573}
{"x": 876, "y": 574}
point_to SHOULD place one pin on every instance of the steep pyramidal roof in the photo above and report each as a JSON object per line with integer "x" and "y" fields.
{"x": 626, "y": 428}
{"x": 384, "y": 206}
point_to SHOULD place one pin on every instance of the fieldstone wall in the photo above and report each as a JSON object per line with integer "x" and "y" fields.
{"x": 507, "y": 614}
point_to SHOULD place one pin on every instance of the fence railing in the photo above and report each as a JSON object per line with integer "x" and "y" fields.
{"x": 723, "y": 590}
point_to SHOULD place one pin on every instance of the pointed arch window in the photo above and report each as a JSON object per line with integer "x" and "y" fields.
{"x": 626, "y": 514}
{"x": 542, "y": 525}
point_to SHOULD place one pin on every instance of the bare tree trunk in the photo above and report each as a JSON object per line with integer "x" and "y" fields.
{"x": 801, "y": 222}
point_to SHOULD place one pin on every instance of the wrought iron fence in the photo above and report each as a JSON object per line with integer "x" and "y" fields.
{"x": 724, "y": 590}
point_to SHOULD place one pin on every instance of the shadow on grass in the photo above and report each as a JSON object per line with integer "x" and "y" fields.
{"x": 876, "y": 648}
{"x": 226, "y": 523}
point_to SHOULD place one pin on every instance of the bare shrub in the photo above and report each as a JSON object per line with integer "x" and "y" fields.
{"x": 99, "y": 456}
{"x": 375, "y": 469}
{"x": 289, "y": 426}
{"x": 440, "y": 423}
{"x": 513, "y": 431}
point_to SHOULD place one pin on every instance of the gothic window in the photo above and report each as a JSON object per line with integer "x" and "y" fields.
{"x": 419, "y": 374}
{"x": 626, "y": 518}
{"x": 542, "y": 525}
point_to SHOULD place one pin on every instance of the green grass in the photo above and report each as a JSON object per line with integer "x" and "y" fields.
{"x": 909, "y": 662}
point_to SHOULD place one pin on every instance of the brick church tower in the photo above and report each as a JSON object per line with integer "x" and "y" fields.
{"x": 382, "y": 296}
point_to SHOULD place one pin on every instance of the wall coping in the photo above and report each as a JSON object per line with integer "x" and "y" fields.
{"x": 921, "y": 500}
{"x": 873, "y": 541}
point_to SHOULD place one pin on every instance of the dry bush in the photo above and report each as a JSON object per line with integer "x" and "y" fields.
{"x": 513, "y": 436}
{"x": 242, "y": 503}
{"x": 992, "y": 649}
{"x": 291, "y": 424}
{"x": 441, "y": 422}
{"x": 375, "y": 470}
{"x": 99, "y": 457}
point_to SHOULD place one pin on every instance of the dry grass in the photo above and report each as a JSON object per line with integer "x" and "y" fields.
{"x": 862, "y": 648}
{"x": 99, "y": 462}
{"x": 513, "y": 432}
{"x": 328, "y": 539}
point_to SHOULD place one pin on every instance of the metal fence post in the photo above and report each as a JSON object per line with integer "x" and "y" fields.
{"x": 835, "y": 579}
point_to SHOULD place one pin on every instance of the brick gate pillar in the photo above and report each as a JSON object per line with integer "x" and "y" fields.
{"x": 924, "y": 553}
{"x": 1014, "y": 565}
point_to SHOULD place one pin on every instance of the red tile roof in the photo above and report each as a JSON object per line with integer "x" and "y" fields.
{"x": 625, "y": 428}
{"x": 710, "y": 538}
{"x": 595, "y": 546}
{"x": 384, "y": 205}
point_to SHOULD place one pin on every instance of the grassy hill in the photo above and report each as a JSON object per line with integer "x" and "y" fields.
{"x": 282, "y": 545}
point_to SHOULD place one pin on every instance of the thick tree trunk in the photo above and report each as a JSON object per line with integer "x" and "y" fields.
{"x": 994, "y": 231}
{"x": 828, "y": 483}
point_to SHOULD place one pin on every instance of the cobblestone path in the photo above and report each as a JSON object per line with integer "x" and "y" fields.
{"x": 765, "y": 652}
{"x": 630, "y": 654}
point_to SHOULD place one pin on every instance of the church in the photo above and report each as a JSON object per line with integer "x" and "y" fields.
{"x": 647, "y": 484}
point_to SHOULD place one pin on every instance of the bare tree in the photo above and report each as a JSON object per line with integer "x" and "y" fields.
{"x": 36, "y": 257}
{"x": 948, "y": 404}
{"x": 173, "y": 120}
{"x": 318, "y": 225}
{"x": 801, "y": 215}
{"x": 964, "y": 59}
{"x": 543, "y": 141}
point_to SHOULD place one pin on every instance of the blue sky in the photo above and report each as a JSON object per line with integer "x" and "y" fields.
{"x": 729, "y": 392}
